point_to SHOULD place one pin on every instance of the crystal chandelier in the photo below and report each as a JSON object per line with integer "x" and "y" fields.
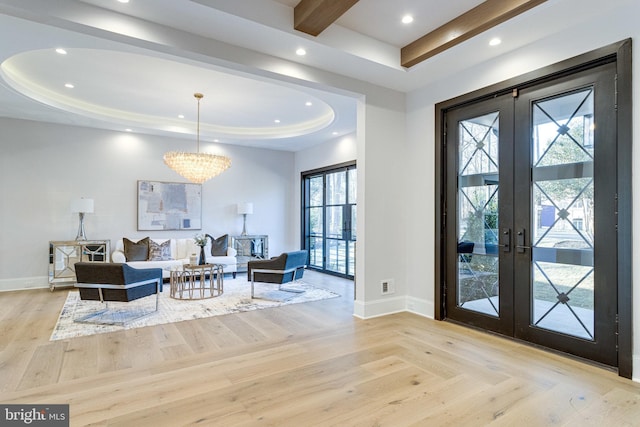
{"x": 197, "y": 167}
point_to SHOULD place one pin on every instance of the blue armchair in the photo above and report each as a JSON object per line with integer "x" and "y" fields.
{"x": 285, "y": 268}
{"x": 106, "y": 282}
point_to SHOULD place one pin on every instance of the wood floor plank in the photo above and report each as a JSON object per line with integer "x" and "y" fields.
{"x": 80, "y": 358}
{"x": 211, "y": 333}
{"x": 206, "y": 410}
{"x": 112, "y": 354}
{"x": 12, "y": 306}
{"x": 14, "y": 361}
{"x": 266, "y": 327}
{"x": 556, "y": 406}
{"x": 616, "y": 408}
{"x": 175, "y": 352}
{"x": 111, "y": 401}
{"x": 45, "y": 365}
{"x": 244, "y": 331}
{"x": 167, "y": 335}
{"x": 195, "y": 336}
{"x": 139, "y": 341}
{"x": 489, "y": 406}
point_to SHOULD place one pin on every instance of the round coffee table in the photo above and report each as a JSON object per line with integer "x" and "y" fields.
{"x": 191, "y": 282}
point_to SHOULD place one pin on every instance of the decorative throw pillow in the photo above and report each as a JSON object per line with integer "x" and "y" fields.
{"x": 219, "y": 246}
{"x": 136, "y": 251}
{"x": 160, "y": 251}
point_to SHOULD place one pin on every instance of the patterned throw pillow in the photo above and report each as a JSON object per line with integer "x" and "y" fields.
{"x": 219, "y": 246}
{"x": 160, "y": 251}
{"x": 136, "y": 251}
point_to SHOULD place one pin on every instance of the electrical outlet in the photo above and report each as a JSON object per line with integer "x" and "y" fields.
{"x": 387, "y": 286}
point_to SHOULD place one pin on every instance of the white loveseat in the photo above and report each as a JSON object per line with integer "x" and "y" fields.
{"x": 181, "y": 250}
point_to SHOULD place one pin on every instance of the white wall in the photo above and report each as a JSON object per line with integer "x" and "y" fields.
{"x": 333, "y": 152}
{"x": 612, "y": 26}
{"x": 44, "y": 166}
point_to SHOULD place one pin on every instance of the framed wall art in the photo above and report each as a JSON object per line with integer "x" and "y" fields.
{"x": 169, "y": 206}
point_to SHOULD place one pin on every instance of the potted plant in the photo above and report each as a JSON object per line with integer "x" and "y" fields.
{"x": 201, "y": 240}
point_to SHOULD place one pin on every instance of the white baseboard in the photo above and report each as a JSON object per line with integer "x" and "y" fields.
{"x": 420, "y": 306}
{"x": 635, "y": 376}
{"x": 383, "y": 307}
{"x": 23, "y": 283}
{"x": 377, "y": 308}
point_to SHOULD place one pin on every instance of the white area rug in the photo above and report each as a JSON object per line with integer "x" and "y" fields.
{"x": 236, "y": 298}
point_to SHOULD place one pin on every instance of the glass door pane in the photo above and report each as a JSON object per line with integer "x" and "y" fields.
{"x": 563, "y": 214}
{"x": 336, "y": 256}
{"x": 478, "y": 184}
{"x": 337, "y": 188}
{"x": 314, "y": 219}
{"x": 336, "y": 199}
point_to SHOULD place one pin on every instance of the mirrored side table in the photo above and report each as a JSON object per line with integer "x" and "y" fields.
{"x": 250, "y": 247}
{"x": 63, "y": 255}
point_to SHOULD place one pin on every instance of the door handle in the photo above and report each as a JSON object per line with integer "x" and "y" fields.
{"x": 505, "y": 240}
{"x": 520, "y": 246}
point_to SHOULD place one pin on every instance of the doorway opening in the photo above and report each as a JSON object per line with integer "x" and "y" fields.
{"x": 329, "y": 211}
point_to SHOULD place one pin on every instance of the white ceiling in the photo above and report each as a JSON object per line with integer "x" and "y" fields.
{"x": 381, "y": 19}
{"x": 119, "y": 85}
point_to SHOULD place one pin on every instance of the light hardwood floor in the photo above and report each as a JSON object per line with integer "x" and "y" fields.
{"x": 299, "y": 365}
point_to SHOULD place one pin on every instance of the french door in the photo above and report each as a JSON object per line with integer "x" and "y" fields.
{"x": 531, "y": 237}
{"x": 329, "y": 219}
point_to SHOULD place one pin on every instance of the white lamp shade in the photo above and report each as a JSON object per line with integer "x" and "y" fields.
{"x": 82, "y": 205}
{"x": 245, "y": 208}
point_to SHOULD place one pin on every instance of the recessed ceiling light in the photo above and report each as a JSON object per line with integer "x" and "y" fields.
{"x": 216, "y": 140}
{"x": 61, "y": 51}
{"x": 181, "y": 116}
{"x": 123, "y": 1}
{"x": 308, "y": 103}
{"x": 407, "y": 19}
{"x": 276, "y": 121}
{"x": 69, "y": 85}
{"x": 301, "y": 52}
{"x": 129, "y": 130}
{"x": 494, "y": 41}
{"x": 334, "y": 133}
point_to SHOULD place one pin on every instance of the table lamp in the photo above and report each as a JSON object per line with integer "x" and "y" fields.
{"x": 81, "y": 206}
{"x": 245, "y": 209}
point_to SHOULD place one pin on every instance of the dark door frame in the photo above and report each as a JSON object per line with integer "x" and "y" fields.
{"x": 620, "y": 54}
{"x": 303, "y": 219}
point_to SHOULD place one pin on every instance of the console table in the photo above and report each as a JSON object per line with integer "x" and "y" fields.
{"x": 250, "y": 247}
{"x": 63, "y": 255}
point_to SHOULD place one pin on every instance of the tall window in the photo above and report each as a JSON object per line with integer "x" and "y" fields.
{"x": 329, "y": 218}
